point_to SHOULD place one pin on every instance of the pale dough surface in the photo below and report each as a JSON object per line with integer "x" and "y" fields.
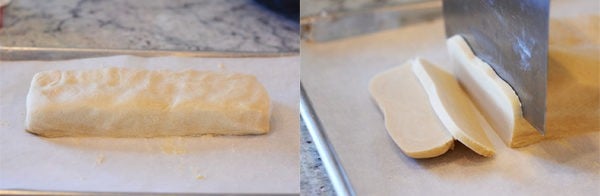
{"x": 493, "y": 96}
{"x": 572, "y": 98}
{"x": 409, "y": 119}
{"x": 573, "y": 94}
{"x": 120, "y": 102}
{"x": 453, "y": 107}
{"x": 338, "y": 90}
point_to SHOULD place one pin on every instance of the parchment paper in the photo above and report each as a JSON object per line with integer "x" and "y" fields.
{"x": 336, "y": 77}
{"x": 220, "y": 164}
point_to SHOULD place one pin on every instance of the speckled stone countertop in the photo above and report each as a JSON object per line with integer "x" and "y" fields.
{"x": 314, "y": 179}
{"x": 184, "y": 25}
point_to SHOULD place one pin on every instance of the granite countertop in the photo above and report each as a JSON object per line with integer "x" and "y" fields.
{"x": 314, "y": 179}
{"x": 184, "y": 25}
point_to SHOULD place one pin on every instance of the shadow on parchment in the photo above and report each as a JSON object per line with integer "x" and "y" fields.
{"x": 573, "y": 108}
{"x": 187, "y": 144}
{"x": 463, "y": 159}
{"x": 460, "y": 154}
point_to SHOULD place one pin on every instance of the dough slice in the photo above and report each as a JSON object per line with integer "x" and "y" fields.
{"x": 573, "y": 94}
{"x": 143, "y": 103}
{"x": 453, "y": 107}
{"x": 409, "y": 119}
{"x": 492, "y": 95}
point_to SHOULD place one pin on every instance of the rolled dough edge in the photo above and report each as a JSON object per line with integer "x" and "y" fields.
{"x": 491, "y": 93}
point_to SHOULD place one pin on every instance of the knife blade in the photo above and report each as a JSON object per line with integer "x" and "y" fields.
{"x": 512, "y": 37}
{"x": 333, "y": 25}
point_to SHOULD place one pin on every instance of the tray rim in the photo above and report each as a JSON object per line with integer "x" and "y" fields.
{"x": 42, "y": 192}
{"x": 334, "y": 168}
{"x": 10, "y": 53}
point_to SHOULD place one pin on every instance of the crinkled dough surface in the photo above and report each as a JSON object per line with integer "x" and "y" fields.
{"x": 121, "y": 102}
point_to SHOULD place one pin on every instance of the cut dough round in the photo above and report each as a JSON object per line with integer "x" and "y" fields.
{"x": 453, "y": 107}
{"x": 409, "y": 119}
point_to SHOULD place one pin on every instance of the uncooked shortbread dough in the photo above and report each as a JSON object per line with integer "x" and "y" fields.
{"x": 573, "y": 94}
{"x": 453, "y": 107}
{"x": 409, "y": 118}
{"x": 494, "y": 97}
{"x": 117, "y": 102}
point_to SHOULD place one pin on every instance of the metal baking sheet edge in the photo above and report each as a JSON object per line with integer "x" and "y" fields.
{"x": 34, "y": 192}
{"x": 335, "y": 171}
{"x": 39, "y": 53}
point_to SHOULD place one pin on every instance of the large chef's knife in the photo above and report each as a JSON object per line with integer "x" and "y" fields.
{"x": 511, "y": 36}
{"x": 333, "y": 24}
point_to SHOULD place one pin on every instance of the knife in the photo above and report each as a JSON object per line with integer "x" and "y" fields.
{"x": 512, "y": 37}
{"x": 338, "y": 24}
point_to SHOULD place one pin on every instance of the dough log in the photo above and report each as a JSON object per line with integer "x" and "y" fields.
{"x": 116, "y": 102}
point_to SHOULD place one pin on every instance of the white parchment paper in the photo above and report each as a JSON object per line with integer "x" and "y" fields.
{"x": 336, "y": 77}
{"x": 220, "y": 164}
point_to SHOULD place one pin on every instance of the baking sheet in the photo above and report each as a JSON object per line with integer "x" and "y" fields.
{"x": 336, "y": 76}
{"x": 220, "y": 164}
